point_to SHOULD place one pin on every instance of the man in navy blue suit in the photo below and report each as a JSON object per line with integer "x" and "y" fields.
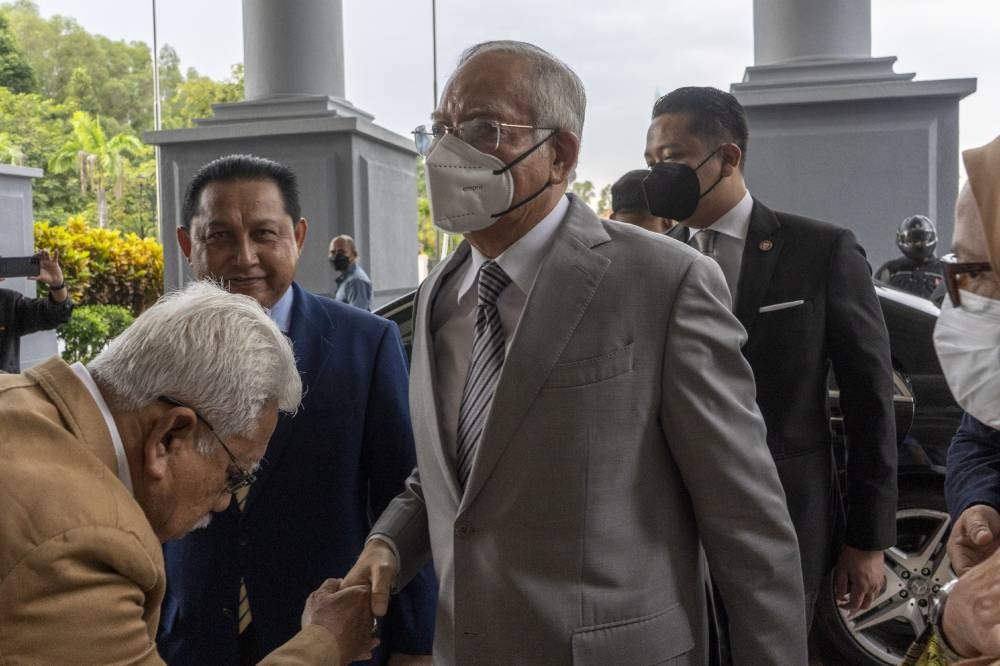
{"x": 236, "y": 589}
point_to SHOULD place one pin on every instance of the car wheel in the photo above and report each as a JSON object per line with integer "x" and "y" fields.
{"x": 915, "y": 568}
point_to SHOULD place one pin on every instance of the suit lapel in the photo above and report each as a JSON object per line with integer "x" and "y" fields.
{"x": 309, "y": 331}
{"x": 562, "y": 291}
{"x": 760, "y": 256}
{"x": 423, "y": 382}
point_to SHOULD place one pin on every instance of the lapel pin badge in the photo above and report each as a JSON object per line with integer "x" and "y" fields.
{"x": 765, "y": 246}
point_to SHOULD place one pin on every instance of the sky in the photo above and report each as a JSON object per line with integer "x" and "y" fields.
{"x": 626, "y": 52}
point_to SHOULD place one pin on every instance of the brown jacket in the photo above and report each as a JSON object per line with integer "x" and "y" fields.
{"x": 81, "y": 571}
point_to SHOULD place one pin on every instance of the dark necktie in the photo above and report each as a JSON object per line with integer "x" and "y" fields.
{"x": 488, "y": 351}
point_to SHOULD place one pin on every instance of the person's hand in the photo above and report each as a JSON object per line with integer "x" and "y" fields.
{"x": 376, "y": 567}
{"x": 49, "y": 272}
{"x": 345, "y": 612}
{"x": 858, "y": 579}
{"x": 400, "y": 659}
{"x": 971, "y": 621}
{"x": 974, "y": 537}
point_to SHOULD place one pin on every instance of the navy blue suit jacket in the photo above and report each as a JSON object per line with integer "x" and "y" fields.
{"x": 329, "y": 470}
{"x": 973, "y": 467}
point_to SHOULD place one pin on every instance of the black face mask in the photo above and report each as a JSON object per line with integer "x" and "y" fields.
{"x": 672, "y": 189}
{"x": 340, "y": 262}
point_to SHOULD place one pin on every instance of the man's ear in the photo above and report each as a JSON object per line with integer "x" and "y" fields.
{"x": 184, "y": 240}
{"x": 566, "y": 146}
{"x": 173, "y": 431}
{"x": 300, "y": 230}
{"x": 732, "y": 158}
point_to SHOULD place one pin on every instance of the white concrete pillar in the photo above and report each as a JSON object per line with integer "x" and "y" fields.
{"x": 293, "y": 47}
{"x": 801, "y": 30}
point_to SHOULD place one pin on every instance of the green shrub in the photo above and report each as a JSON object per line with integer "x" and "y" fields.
{"x": 102, "y": 266}
{"x": 89, "y": 330}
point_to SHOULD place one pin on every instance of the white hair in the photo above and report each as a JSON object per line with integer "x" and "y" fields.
{"x": 558, "y": 97}
{"x": 217, "y": 352}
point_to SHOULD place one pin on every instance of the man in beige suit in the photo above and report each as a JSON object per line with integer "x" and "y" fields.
{"x": 585, "y": 421}
{"x": 102, "y": 463}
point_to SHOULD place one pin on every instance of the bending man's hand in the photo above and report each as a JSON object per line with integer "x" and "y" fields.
{"x": 859, "y": 578}
{"x": 971, "y": 619}
{"x": 974, "y": 537}
{"x": 346, "y": 613}
{"x": 377, "y": 568}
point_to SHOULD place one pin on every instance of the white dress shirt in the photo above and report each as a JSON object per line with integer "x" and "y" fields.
{"x": 732, "y": 235}
{"x": 281, "y": 312}
{"x": 453, "y": 318}
{"x": 124, "y": 474}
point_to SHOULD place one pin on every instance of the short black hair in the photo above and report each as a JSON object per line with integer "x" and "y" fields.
{"x": 242, "y": 167}
{"x": 627, "y": 193}
{"x": 713, "y": 115}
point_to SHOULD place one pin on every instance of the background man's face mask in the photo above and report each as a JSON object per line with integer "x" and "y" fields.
{"x": 967, "y": 340}
{"x": 469, "y": 189}
{"x": 672, "y": 189}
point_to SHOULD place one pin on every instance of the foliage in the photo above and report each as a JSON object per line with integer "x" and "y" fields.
{"x": 112, "y": 79}
{"x": 600, "y": 202}
{"x": 604, "y": 201}
{"x": 428, "y": 235}
{"x": 195, "y": 96}
{"x": 15, "y": 72}
{"x": 89, "y": 330}
{"x": 31, "y": 129}
{"x": 103, "y": 267}
{"x": 100, "y": 162}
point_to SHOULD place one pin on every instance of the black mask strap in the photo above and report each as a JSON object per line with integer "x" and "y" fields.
{"x": 522, "y": 202}
{"x": 717, "y": 180}
{"x": 524, "y": 155}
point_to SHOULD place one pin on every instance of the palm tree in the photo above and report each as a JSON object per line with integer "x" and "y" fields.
{"x": 99, "y": 161}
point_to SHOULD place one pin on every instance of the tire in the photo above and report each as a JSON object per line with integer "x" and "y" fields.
{"x": 915, "y": 568}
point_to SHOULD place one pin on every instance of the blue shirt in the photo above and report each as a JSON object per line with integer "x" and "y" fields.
{"x": 355, "y": 288}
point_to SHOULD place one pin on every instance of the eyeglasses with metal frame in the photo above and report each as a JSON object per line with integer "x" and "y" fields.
{"x": 482, "y": 134}
{"x": 237, "y": 476}
{"x": 954, "y": 270}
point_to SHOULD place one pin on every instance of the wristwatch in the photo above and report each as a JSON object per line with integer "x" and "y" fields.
{"x": 936, "y": 619}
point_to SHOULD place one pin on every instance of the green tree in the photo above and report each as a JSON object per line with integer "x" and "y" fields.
{"x": 101, "y": 163}
{"x": 585, "y": 190}
{"x": 195, "y": 96}
{"x": 34, "y": 129}
{"x": 604, "y": 201}
{"x": 15, "y": 72}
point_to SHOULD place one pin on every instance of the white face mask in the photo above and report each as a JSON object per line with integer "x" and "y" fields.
{"x": 967, "y": 340}
{"x": 470, "y": 189}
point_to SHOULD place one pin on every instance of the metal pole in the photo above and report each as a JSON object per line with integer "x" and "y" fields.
{"x": 434, "y": 50}
{"x": 156, "y": 118}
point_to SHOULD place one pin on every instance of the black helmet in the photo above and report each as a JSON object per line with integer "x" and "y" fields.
{"x": 917, "y": 237}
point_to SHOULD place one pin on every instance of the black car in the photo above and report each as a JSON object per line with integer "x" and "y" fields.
{"x": 926, "y": 419}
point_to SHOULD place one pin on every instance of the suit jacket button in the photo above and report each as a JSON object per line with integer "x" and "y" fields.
{"x": 463, "y": 531}
{"x": 244, "y": 538}
{"x": 229, "y": 612}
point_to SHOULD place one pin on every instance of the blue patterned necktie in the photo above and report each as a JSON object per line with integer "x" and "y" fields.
{"x": 488, "y": 351}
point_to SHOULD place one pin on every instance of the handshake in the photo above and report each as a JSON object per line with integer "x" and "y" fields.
{"x": 349, "y": 608}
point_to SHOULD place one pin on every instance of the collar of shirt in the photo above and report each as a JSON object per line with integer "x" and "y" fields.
{"x": 521, "y": 260}
{"x": 124, "y": 475}
{"x": 736, "y": 222}
{"x": 281, "y": 312}
{"x": 349, "y": 272}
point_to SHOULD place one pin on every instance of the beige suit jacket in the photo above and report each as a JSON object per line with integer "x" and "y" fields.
{"x": 623, "y": 436}
{"x": 81, "y": 571}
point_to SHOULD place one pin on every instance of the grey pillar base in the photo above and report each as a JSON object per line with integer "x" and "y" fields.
{"x": 354, "y": 177}
{"x": 851, "y": 142}
{"x": 282, "y": 107}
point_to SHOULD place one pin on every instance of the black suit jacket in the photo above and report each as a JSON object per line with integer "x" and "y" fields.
{"x": 786, "y": 259}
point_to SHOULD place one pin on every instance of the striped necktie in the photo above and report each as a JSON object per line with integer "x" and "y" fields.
{"x": 488, "y": 351}
{"x": 244, "y": 608}
{"x": 704, "y": 242}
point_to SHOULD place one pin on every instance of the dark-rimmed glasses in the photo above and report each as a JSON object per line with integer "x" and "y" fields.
{"x": 237, "y": 476}
{"x": 482, "y": 134}
{"x": 955, "y": 269}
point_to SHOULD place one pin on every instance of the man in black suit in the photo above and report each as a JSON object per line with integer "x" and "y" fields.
{"x": 803, "y": 291}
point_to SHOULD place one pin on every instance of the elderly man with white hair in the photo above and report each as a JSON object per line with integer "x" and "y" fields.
{"x": 103, "y": 462}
